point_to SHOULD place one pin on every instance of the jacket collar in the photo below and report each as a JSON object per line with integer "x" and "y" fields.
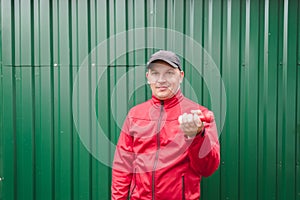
{"x": 168, "y": 103}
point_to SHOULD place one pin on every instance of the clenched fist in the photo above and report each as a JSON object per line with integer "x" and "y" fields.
{"x": 190, "y": 123}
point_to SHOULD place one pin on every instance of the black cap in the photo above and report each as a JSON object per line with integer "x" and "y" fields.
{"x": 167, "y": 56}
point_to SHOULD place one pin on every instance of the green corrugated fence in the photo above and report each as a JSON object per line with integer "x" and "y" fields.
{"x": 70, "y": 71}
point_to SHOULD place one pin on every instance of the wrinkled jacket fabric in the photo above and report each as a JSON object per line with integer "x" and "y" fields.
{"x": 153, "y": 158}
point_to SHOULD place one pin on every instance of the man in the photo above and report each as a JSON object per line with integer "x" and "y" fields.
{"x": 167, "y": 143}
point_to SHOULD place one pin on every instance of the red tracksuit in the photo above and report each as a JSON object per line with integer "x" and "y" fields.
{"x": 153, "y": 158}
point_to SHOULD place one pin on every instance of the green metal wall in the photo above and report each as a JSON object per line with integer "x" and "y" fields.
{"x": 255, "y": 45}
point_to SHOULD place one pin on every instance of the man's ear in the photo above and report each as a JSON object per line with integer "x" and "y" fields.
{"x": 182, "y": 76}
{"x": 147, "y": 74}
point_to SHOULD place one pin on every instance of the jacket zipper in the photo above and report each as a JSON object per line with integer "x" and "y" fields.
{"x": 158, "y": 148}
{"x": 131, "y": 192}
{"x": 183, "y": 188}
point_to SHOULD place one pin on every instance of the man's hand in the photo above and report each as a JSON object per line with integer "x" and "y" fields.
{"x": 190, "y": 123}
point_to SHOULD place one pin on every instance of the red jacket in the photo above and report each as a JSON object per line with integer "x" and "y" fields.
{"x": 153, "y": 158}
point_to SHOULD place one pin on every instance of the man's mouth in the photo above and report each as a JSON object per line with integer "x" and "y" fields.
{"x": 162, "y": 87}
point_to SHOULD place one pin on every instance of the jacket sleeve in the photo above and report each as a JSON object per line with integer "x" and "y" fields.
{"x": 204, "y": 150}
{"x": 122, "y": 165}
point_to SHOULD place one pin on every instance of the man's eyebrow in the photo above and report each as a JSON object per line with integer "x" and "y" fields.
{"x": 171, "y": 70}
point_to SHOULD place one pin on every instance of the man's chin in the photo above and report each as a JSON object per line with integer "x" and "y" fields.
{"x": 162, "y": 96}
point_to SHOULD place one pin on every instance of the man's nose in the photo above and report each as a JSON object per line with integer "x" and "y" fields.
{"x": 161, "y": 78}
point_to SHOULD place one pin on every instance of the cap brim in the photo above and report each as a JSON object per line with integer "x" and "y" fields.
{"x": 164, "y": 60}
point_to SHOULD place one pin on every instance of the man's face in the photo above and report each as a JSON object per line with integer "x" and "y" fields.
{"x": 164, "y": 80}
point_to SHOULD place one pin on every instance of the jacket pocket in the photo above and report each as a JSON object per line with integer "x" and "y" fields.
{"x": 183, "y": 188}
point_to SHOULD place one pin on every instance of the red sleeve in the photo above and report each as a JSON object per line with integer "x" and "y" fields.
{"x": 122, "y": 165}
{"x": 204, "y": 151}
